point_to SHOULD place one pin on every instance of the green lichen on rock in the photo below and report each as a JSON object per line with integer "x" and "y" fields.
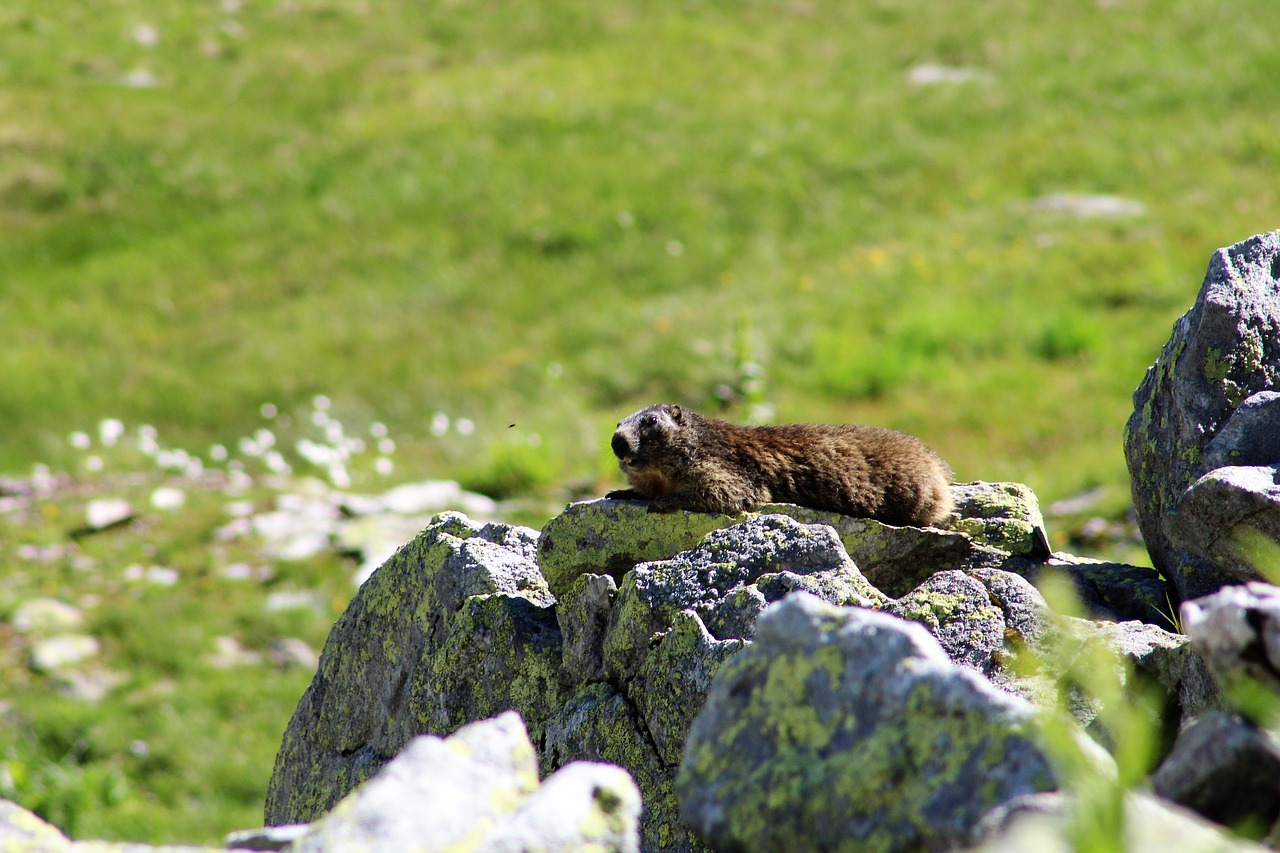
{"x": 1005, "y": 516}
{"x": 607, "y": 537}
{"x": 1215, "y": 365}
{"x": 673, "y": 679}
{"x": 598, "y": 723}
{"x": 851, "y": 729}
{"x": 458, "y": 586}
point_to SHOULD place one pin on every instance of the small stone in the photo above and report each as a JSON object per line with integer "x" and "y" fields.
{"x": 63, "y": 650}
{"x": 102, "y": 513}
{"x": 46, "y": 616}
{"x": 228, "y": 653}
{"x": 168, "y": 498}
{"x": 292, "y": 652}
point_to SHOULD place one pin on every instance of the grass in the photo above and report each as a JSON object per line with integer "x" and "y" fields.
{"x": 539, "y": 217}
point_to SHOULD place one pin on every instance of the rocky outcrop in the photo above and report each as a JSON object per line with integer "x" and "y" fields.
{"x": 1201, "y": 444}
{"x": 877, "y": 738}
{"x": 613, "y": 665}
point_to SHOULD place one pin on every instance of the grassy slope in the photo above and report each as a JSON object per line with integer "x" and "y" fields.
{"x": 415, "y": 208}
{"x": 550, "y": 214}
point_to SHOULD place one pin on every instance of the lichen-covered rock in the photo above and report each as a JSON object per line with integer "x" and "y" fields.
{"x": 23, "y": 830}
{"x": 993, "y": 521}
{"x": 958, "y": 611}
{"x": 673, "y": 679}
{"x": 1224, "y": 769}
{"x": 478, "y": 791}
{"x": 600, "y": 724}
{"x": 704, "y": 578}
{"x": 1222, "y": 353}
{"x": 1004, "y": 516}
{"x": 841, "y": 728}
{"x": 893, "y": 559}
{"x": 605, "y": 537}
{"x": 455, "y": 627}
{"x": 582, "y": 612}
{"x": 1116, "y": 591}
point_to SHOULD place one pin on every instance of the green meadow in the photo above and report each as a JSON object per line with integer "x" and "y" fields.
{"x": 496, "y": 228}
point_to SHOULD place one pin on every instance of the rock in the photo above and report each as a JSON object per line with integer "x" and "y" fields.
{"x": 62, "y": 650}
{"x": 849, "y": 728}
{"x": 1215, "y": 512}
{"x": 1135, "y": 657}
{"x": 168, "y": 498}
{"x": 583, "y": 615}
{"x": 228, "y": 653}
{"x": 600, "y": 724}
{"x": 1222, "y": 353}
{"x": 993, "y": 522}
{"x": 23, "y": 830}
{"x": 1224, "y": 769}
{"x": 1086, "y": 206}
{"x": 478, "y": 790}
{"x": 1116, "y": 591}
{"x": 893, "y": 559}
{"x": 1042, "y": 823}
{"x": 454, "y": 628}
{"x": 1005, "y": 516}
{"x": 771, "y": 551}
{"x": 291, "y": 652}
{"x": 1237, "y": 632}
{"x": 102, "y": 513}
{"x": 1248, "y": 437}
{"x": 459, "y": 625}
{"x": 957, "y": 610}
{"x": 605, "y": 537}
{"x": 433, "y": 496}
{"x": 45, "y": 616}
{"x": 266, "y": 838}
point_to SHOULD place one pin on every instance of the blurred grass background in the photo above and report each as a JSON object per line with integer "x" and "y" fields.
{"x": 538, "y": 217}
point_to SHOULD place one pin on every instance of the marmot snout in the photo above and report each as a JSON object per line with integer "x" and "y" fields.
{"x": 680, "y": 460}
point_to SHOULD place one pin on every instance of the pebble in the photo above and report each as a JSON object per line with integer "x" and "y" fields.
{"x": 63, "y": 650}
{"x": 46, "y": 615}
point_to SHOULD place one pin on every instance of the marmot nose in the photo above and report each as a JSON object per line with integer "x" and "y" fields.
{"x": 621, "y": 447}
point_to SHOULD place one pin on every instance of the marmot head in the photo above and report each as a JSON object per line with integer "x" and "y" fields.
{"x": 648, "y": 445}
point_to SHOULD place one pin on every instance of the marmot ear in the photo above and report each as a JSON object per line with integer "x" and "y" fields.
{"x": 675, "y": 413}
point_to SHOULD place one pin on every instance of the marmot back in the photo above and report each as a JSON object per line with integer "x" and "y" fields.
{"x": 680, "y": 460}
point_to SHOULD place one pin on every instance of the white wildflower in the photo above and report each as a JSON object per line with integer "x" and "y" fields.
{"x": 109, "y": 431}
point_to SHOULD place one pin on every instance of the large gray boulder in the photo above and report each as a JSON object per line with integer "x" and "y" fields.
{"x": 842, "y": 728}
{"x": 1209, "y": 403}
{"x": 458, "y": 626}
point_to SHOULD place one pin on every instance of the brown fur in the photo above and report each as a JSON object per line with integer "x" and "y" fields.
{"x": 680, "y": 460}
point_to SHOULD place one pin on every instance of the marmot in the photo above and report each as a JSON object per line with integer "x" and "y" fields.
{"x": 678, "y": 459}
